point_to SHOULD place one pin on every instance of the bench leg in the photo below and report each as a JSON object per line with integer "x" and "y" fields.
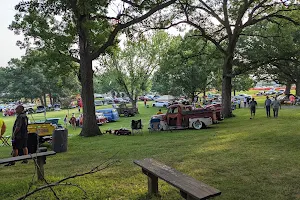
{"x": 186, "y": 196}
{"x": 152, "y": 184}
{"x": 40, "y": 170}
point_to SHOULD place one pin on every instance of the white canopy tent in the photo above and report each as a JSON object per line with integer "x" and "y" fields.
{"x": 165, "y": 98}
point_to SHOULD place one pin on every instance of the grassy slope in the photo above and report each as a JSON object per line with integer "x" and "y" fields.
{"x": 245, "y": 159}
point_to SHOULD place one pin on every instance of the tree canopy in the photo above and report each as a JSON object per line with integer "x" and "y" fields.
{"x": 79, "y": 31}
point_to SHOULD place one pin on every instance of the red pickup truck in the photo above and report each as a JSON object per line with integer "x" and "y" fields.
{"x": 184, "y": 116}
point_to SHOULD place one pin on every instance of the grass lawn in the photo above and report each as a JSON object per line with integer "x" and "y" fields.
{"x": 245, "y": 159}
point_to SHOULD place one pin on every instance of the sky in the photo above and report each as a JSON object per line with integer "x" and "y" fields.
{"x": 7, "y": 37}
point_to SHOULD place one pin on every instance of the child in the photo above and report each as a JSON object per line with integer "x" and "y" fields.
{"x": 159, "y": 112}
{"x": 66, "y": 120}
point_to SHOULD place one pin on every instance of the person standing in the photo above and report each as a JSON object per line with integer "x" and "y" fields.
{"x": 73, "y": 121}
{"x": 145, "y": 101}
{"x": 79, "y": 108}
{"x": 239, "y": 103}
{"x": 292, "y": 99}
{"x": 245, "y": 102}
{"x": 252, "y": 105}
{"x": 268, "y": 106}
{"x": 20, "y": 135}
{"x": 66, "y": 121}
{"x": 276, "y": 105}
{"x": 2, "y": 127}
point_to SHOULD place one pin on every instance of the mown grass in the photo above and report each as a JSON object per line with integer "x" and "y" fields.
{"x": 245, "y": 159}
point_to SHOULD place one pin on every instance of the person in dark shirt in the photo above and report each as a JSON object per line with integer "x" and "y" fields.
{"x": 20, "y": 135}
{"x": 268, "y": 106}
{"x": 252, "y": 105}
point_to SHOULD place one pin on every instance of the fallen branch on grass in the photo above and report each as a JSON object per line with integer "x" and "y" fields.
{"x": 106, "y": 164}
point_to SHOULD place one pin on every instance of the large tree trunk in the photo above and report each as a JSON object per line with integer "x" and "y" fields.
{"x": 90, "y": 127}
{"x": 227, "y": 87}
{"x": 298, "y": 88}
{"x": 288, "y": 88}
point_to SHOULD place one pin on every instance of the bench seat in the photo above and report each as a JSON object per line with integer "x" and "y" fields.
{"x": 189, "y": 187}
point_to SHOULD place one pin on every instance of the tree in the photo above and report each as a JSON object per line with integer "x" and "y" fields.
{"x": 106, "y": 82}
{"x": 80, "y": 30}
{"x": 277, "y": 54}
{"x": 29, "y": 80}
{"x": 242, "y": 83}
{"x": 187, "y": 67}
{"x": 134, "y": 66}
{"x": 223, "y": 22}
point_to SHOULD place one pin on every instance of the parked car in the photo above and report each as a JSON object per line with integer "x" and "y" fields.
{"x": 72, "y": 105}
{"x": 29, "y": 110}
{"x": 40, "y": 109}
{"x": 161, "y": 104}
{"x": 109, "y": 100}
{"x": 54, "y": 121}
{"x": 127, "y": 99}
{"x": 98, "y": 103}
{"x": 279, "y": 92}
{"x": 155, "y": 97}
{"x": 242, "y": 96}
{"x": 126, "y": 110}
{"x": 142, "y": 98}
{"x": 9, "y": 112}
{"x": 285, "y": 99}
{"x": 270, "y": 92}
{"x": 110, "y": 113}
{"x": 56, "y": 107}
{"x": 101, "y": 119}
{"x": 2, "y": 107}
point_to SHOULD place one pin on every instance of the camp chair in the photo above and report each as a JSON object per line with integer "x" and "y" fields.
{"x": 154, "y": 125}
{"x": 4, "y": 140}
{"x": 136, "y": 126}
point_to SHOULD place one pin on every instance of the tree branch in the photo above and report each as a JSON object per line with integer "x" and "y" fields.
{"x": 102, "y": 166}
{"x": 119, "y": 27}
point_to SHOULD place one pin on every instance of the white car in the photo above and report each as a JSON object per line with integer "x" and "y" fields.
{"x": 242, "y": 96}
{"x": 161, "y": 104}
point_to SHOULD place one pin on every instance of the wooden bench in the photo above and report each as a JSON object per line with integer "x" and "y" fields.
{"x": 189, "y": 187}
{"x": 40, "y": 160}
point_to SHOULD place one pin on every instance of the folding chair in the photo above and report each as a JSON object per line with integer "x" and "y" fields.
{"x": 154, "y": 125}
{"x": 4, "y": 140}
{"x": 136, "y": 126}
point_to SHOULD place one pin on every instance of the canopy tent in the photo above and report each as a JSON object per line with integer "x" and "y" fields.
{"x": 165, "y": 98}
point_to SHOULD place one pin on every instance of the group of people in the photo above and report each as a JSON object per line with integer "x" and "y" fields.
{"x": 19, "y": 134}
{"x": 73, "y": 120}
{"x": 275, "y": 104}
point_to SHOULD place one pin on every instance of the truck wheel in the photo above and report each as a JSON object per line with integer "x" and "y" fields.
{"x": 197, "y": 125}
{"x": 126, "y": 114}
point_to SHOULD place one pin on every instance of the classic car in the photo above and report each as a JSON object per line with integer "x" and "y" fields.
{"x": 111, "y": 114}
{"x": 101, "y": 119}
{"x": 40, "y": 109}
{"x": 161, "y": 104}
